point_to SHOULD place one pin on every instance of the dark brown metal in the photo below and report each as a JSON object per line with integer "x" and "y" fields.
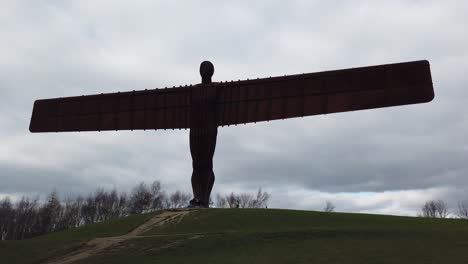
{"x": 203, "y": 107}
{"x": 120, "y": 111}
{"x": 331, "y": 92}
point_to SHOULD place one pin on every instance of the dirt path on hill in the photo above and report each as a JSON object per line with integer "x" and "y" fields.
{"x": 97, "y": 245}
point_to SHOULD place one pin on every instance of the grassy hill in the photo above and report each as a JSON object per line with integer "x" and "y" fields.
{"x": 259, "y": 236}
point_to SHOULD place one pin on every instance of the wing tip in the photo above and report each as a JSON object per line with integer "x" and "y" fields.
{"x": 31, "y": 123}
{"x": 32, "y": 129}
{"x": 431, "y": 96}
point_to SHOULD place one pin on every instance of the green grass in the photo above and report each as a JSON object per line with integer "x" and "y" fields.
{"x": 261, "y": 220}
{"x": 282, "y": 236}
{"x": 58, "y": 243}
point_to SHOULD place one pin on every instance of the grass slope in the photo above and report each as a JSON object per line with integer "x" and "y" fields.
{"x": 38, "y": 249}
{"x": 276, "y": 236}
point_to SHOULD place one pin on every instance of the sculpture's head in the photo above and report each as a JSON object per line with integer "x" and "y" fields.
{"x": 206, "y": 71}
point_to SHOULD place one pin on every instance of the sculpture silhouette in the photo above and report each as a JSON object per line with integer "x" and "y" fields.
{"x": 204, "y": 107}
{"x": 203, "y": 132}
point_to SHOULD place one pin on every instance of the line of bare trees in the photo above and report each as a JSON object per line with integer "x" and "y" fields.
{"x": 31, "y": 217}
{"x": 243, "y": 200}
{"x": 439, "y": 209}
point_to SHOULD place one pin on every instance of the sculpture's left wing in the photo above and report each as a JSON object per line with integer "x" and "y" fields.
{"x": 324, "y": 92}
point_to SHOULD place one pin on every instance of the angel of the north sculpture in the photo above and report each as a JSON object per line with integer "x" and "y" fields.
{"x": 204, "y": 107}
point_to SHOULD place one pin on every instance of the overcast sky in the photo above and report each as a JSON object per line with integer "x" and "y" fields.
{"x": 376, "y": 161}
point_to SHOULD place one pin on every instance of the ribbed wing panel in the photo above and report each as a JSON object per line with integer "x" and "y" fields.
{"x": 148, "y": 109}
{"x": 243, "y": 101}
{"x": 324, "y": 92}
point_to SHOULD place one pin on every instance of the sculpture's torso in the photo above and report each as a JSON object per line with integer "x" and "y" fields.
{"x": 203, "y": 132}
{"x": 203, "y": 108}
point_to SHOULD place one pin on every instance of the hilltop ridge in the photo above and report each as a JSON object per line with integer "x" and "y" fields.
{"x": 250, "y": 236}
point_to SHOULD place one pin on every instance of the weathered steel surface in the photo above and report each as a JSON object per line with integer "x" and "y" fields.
{"x": 148, "y": 109}
{"x": 324, "y": 92}
{"x": 241, "y": 101}
{"x": 203, "y": 133}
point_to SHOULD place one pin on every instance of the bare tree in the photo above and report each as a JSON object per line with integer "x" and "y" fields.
{"x": 210, "y": 201}
{"x": 158, "y": 196}
{"x": 26, "y": 215}
{"x": 435, "y": 209}
{"x": 220, "y": 201}
{"x": 7, "y": 213}
{"x": 50, "y": 213}
{"x": 429, "y": 209}
{"x": 463, "y": 210}
{"x": 232, "y": 200}
{"x": 329, "y": 207}
{"x": 89, "y": 210}
{"x": 178, "y": 199}
{"x": 102, "y": 204}
{"x": 113, "y": 203}
{"x": 243, "y": 200}
{"x": 141, "y": 199}
{"x": 442, "y": 209}
{"x": 71, "y": 213}
{"x": 107, "y": 204}
{"x": 261, "y": 200}
{"x": 123, "y": 205}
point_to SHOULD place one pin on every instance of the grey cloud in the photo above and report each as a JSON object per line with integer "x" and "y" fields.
{"x": 78, "y": 47}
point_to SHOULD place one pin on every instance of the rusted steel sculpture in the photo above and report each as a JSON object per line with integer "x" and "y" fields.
{"x": 204, "y": 107}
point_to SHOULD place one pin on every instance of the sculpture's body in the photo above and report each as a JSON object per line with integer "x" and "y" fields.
{"x": 203, "y": 132}
{"x": 204, "y": 107}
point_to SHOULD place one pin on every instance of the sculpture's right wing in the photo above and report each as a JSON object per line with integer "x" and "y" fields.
{"x": 324, "y": 92}
{"x": 148, "y": 109}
